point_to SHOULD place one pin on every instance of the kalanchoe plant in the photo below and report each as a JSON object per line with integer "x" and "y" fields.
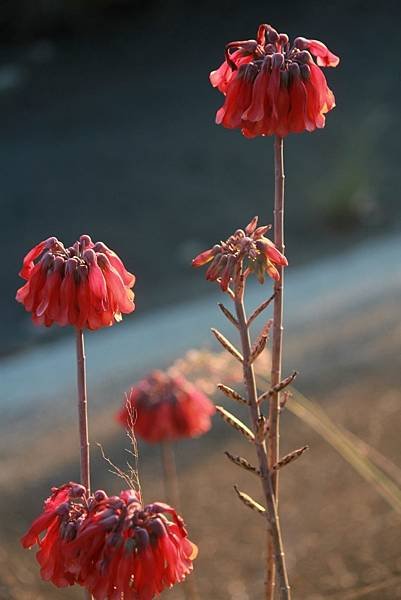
{"x": 274, "y": 87}
{"x": 114, "y": 546}
{"x": 248, "y": 251}
{"x": 85, "y": 285}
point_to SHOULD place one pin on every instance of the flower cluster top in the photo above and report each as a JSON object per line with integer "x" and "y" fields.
{"x": 85, "y": 285}
{"x": 165, "y": 406}
{"x": 273, "y": 87}
{"x": 249, "y": 245}
{"x": 114, "y": 546}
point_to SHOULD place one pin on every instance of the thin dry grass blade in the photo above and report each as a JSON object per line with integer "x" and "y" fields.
{"x": 366, "y": 590}
{"x": 339, "y": 438}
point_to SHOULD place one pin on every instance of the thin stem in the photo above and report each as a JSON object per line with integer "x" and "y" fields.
{"x": 170, "y": 474}
{"x": 83, "y": 419}
{"x": 83, "y": 411}
{"x": 261, "y": 450}
{"x": 277, "y": 341}
{"x": 173, "y": 498}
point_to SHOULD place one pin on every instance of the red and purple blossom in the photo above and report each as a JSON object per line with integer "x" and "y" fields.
{"x": 166, "y": 407}
{"x": 273, "y": 87}
{"x": 249, "y": 245}
{"x": 63, "y": 513}
{"x": 85, "y": 285}
{"x": 113, "y": 546}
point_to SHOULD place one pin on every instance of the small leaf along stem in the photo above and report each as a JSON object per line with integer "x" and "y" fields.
{"x": 277, "y": 337}
{"x": 83, "y": 410}
{"x": 83, "y": 419}
{"x": 261, "y": 450}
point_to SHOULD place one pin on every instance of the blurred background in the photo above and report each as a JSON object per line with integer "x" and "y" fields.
{"x": 107, "y": 128}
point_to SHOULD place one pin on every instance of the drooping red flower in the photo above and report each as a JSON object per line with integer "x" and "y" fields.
{"x": 247, "y": 245}
{"x": 132, "y": 551}
{"x": 273, "y": 87}
{"x": 63, "y": 513}
{"x": 85, "y": 285}
{"x": 112, "y": 545}
{"x": 166, "y": 406}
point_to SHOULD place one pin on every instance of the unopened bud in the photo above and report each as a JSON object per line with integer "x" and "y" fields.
{"x": 304, "y": 57}
{"x": 273, "y": 36}
{"x": 85, "y": 240}
{"x": 77, "y": 491}
{"x": 100, "y": 495}
{"x": 63, "y": 509}
{"x": 284, "y": 39}
{"x": 301, "y": 43}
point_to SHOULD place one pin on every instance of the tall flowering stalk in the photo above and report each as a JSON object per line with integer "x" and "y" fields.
{"x": 86, "y": 286}
{"x": 273, "y": 87}
{"x": 230, "y": 264}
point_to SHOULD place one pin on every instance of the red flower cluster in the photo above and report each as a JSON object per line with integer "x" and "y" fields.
{"x": 166, "y": 407}
{"x": 249, "y": 245}
{"x": 273, "y": 87}
{"x": 112, "y": 545}
{"x": 85, "y": 285}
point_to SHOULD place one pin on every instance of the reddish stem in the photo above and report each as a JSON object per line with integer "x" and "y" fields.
{"x": 83, "y": 419}
{"x": 83, "y": 411}
{"x": 170, "y": 474}
{"x": 277, "y": 350}
{"x": 261, "y": 450}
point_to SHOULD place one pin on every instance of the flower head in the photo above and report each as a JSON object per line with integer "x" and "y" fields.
{"x": 249, "y": 245}
{"x": 85, "y": 285}
{"x": 166, "y": 406}
{"x": 63, "y": 513}
{"x": 112, "y": 545}
{"x": 132, "y": 551}
{"x": 273, "y": 87}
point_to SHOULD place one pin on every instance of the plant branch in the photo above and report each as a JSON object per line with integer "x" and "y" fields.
{"x": 277, "y": 343}
{"x": 266, "y": 477}
{"x": 83, "y": 410}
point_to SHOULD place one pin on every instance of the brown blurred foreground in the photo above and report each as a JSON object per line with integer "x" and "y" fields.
{"x": 342, "y": 537}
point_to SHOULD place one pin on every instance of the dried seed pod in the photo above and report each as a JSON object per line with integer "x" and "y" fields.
{"x": 235, "y": 423}
{"x": 228, "y": 314}
{"x": 288, "y": 458}
{"x": 242, "y": 462}
{"x": 250, "y": 502}
{"x": 232, "y": 394}
{"x": 227, "y": 345}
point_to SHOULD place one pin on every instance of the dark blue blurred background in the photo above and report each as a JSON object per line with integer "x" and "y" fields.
{"x": 107, "y": 128}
